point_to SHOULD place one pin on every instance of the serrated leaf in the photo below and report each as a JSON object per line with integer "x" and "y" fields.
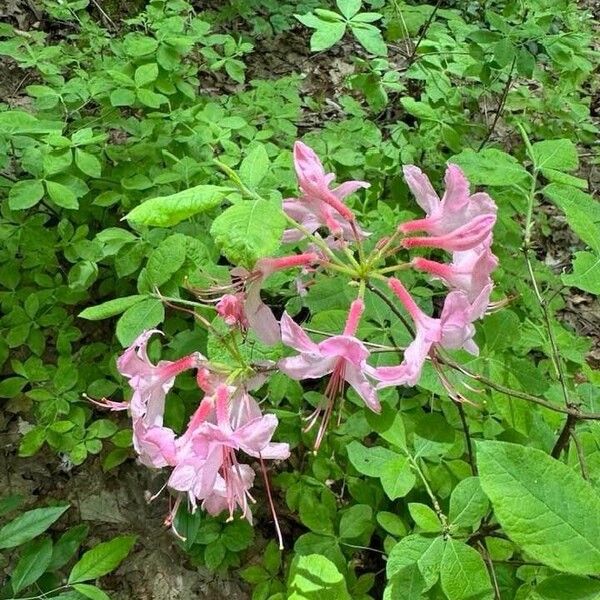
{"x": 102, "y": 559}
{"x": 166, "y": 211}
{"x": 248, "y": 231}
{"x": 542, "y": 505}
{"x": 555, "y": 154}
{"x": 29, "y": 525}
{"x": 463, "y": 573}
{"x": 34, "y": 560}
{"x": 139, "y": 317}
{"x": 110, "y": 308}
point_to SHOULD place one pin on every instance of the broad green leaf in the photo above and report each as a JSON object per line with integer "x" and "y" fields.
{"x": 425, "y": 552}
{"x": 581, "y": 210}
{"x": 166, "y": 211}
{"x": 566, "y": 587}
{"x": 356, "y": 521}
{"x": 88, "y": 163}
{"x": 122, "y": 97}
{"x": 150, "y": 98}
{"x": 424, "y": 517}
{"x": 468, "y": 503}
{"x": 369, "y": 461}
{"x": 62, "y": 195}
{"x": 542, "y": 505}
{"x": 326, "y": 35}
{"x": 10, "y": 503}
{"x": 102, "y": 559}
{"x": 406, "y": 584}
{"x": 146, "y": 74}
{"x": 32, "y": 564}
{"x": 463, "y": 573}
{"x": 314, "y": 576}
{"x": 397, "y": 477}
{"x": 18, "y": 122}
{"x": 492, "y": 167}
{"x": 255, "y": 166}
{"x": 25, "y": 194}
{"x": 421, "y": 110}
{"x": 29, "y": 525}
{"x": 248, "y": 231}
{"x": 166, "y": 259}
{"x": 392, "y": 523}
{"x": 560, "y": 155}
{"x": 139, "y": 317}
{"x": 586, "y": 273}
{"x": 369, "y": 37}
{"x": 348, "y": 7}
{"x": 110, "y": 308}
{"x": 66, "y": 546}
{"x": 91, "y": 591}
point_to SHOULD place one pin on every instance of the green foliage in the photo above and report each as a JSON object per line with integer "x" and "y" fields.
{"x": 116, "y": 207}
{"x": 37, "y": 559}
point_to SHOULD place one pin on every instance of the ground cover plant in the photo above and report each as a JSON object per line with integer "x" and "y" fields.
{"x": 321, "y": 277}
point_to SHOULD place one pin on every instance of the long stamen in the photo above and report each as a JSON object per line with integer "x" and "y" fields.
{"x": 271, "y": 504}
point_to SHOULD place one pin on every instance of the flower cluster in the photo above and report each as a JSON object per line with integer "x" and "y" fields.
{"x": 204, "y": 458}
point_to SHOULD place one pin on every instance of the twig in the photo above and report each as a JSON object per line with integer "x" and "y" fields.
{"x": 501, "y": 104}
{"x": 563, "y": 439}
{"x": 580, "y": 455}
{"x": 490, "y": 565}
{"x": 467, "y": 432}
{"x": 104, "y": 15}
{"x": 426, "y": 26}
{"x": 392, "y": 307}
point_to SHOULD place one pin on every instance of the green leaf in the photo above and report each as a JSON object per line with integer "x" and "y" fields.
{"x": 110, "y": 308}
{"x": 25, "y": 194}
{"x": 392, "y": 523}
{"x": 166, "y": 259}
{"x": 66, "y": 546}
{"x": 369, "y": 461}
{"x": 586, "y": 273}
{"x": 139, "y": 317}
{"x": 356, "y": 521}
{"x": 327, "y": 35}
{"x": 88, "y": 163}
{"x": 369, "y": 37}
{"x": 463, "y": 573}
{"x": 424, "y": 517}
{"x": 560, "y": 155}
{"x": 62, "y": 195}
{"x": 566, "y": 587}
{"x": 122, "y": 97}
{"x": 314, "y": 576}
{"x": 22, "y": 123}
{"x": 146, "y": 74}
{"x": 420, "y": 110}
{"x": 542, "y": 505}
{"x": 150, "y": 98}
{"x": 91, "y": 591}
{"x": 34, "y": 560}
{"x": 166, "y": 211}
{"x": 407, "y": 584}
{"x": 255, "y": 166}
{"x": 102, "y": 559}
{"x": 10, "y": 503}
{"x": 348, "y": 7}
{"x": 492, "y": 167}
{"x": 248, "y": 231}
{"x": 29, "y": 525}
{"x": 468, "y": 503}
{"x": 425, "y": 552}
{"x": 397, "y": 477}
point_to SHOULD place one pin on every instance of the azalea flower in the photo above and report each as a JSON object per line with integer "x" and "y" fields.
{"x": 343, "y": 356}
{"x": 457, "y": 222}
{"x": 453, "y": 330}
{"x": 320, "y": 206}
{"x": 469, "y": 271}
{"x": 231, "y": 309}
{"x": 258, "y": 316}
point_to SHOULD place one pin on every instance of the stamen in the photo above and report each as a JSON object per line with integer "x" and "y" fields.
{"x": 271, "y": 504}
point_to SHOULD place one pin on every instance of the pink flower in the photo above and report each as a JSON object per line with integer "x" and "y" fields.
{"x": 231, "y": 309}
{"x": 453, "y": 330}
{"x": 258, "y": 315}
{"x": 151, "y": 383}
{"x": 319, "y": 206}
{"x": 154, "y": 445}
{"x": 458, "y": 221}
{"x": 207, "y": 467}
{"x": 469, "y": 271}
{"x": 344, "y": 356}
